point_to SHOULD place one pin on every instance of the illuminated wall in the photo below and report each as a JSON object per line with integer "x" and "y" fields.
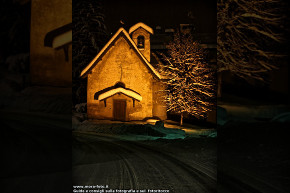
{"x": 47, "y": 65}
{"x": 122, "y": 64}
{"x": 146, "y": 35}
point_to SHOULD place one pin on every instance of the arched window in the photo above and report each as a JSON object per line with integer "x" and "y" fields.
{"x": 140, "y": 42}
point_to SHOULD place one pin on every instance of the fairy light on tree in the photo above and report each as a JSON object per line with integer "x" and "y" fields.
{"x": 190, "y": 84}
{"x": 247, "y": 34}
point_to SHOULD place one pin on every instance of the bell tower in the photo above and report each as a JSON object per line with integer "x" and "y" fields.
{"x": 140, "y": 34}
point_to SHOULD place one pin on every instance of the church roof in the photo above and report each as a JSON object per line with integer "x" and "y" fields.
{"x": 125, "y": 91}
{"x": 98, "y": 57}
{"x": 117, "y": 88}
{"x": 142, "y": 25}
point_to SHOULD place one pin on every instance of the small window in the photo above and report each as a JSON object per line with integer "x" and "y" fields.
{"x": 140, "y": 42}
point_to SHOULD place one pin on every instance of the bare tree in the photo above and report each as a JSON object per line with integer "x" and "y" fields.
{"x": 190, "y": 84}
{"x": 247, "y": 33}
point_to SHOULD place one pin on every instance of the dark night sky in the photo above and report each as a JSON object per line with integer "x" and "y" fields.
{"x": 165, "y": 13}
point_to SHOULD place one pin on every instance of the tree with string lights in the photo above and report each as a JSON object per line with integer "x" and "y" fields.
{"x": 248, "y": 34}
{"x": 190, "y": 84}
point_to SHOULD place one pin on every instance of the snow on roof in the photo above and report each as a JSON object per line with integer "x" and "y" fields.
{"x": 105, "y": 48}
{"x": 120, "y": 90}
{"x": 59, "y": 37}
{"x": 140, "y": 24}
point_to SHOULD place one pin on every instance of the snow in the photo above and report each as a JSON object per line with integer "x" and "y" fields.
{"x": 120, "y": 90}
{"x": 18, "y": 62}
{"x": 81, "y": 108}
{"x": 198, "y": 132}
{"x": 152, "y": 121}
{"x": 38, "y": 99}
{"x": 282, "y": 118}
{"x": 251, "y": 113}
{"x": 121, "y": 30}
{"x": 77, "y": 119}
{"x": 222, "y": 116}
{"x": 7, "y": 97}
{"x": 141, "y": 130}
{"x": 140, "y": 24}
{"x": 62, "y": 39}
{"x": 159, "y": 124}
{"x": 130, "y": 131}
{"x": 14, "y": 77}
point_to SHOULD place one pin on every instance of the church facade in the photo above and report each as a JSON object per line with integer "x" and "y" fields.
{"x": 122, "y": 84}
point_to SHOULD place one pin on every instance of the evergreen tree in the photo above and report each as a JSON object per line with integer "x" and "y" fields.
{"x": 89, "y": 36}
{"x": 190, "y": 83}
{"x": 15, "y": 29}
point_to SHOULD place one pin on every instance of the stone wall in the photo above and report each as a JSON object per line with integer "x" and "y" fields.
{"x": 120, "y": 63}
{"x": 147, "y": 49}
{"x": 159, "y": 104}
{"x": 47, "y": 65}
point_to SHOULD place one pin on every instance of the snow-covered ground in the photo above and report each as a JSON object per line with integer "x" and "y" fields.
{"x": 249, "y": 110}
{"x": 180, "y": 165}
{"x": 38, "y": 99}
{"x": 130, "y": 130}
{"x": 233, "y": 107}
{"x": 140, "y": 130}
{"x": 252, "y": 145}
{"x": 253, "y": 112}
{"x": 17, "y": 93}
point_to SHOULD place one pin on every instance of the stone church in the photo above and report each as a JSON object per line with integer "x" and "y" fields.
{"x": 122, "y": 82}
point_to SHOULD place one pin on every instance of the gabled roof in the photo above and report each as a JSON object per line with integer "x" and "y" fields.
{"x": 117, "y": 88}
{"x": 123, "y": 32}
{"x": 125, "y": 91}
{"x": 140, "y": 24}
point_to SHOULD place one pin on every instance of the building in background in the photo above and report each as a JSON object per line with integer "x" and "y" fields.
{"x": 163, "y": 35}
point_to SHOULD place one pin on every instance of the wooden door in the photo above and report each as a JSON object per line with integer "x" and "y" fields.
{"x": 119, "y": 110}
